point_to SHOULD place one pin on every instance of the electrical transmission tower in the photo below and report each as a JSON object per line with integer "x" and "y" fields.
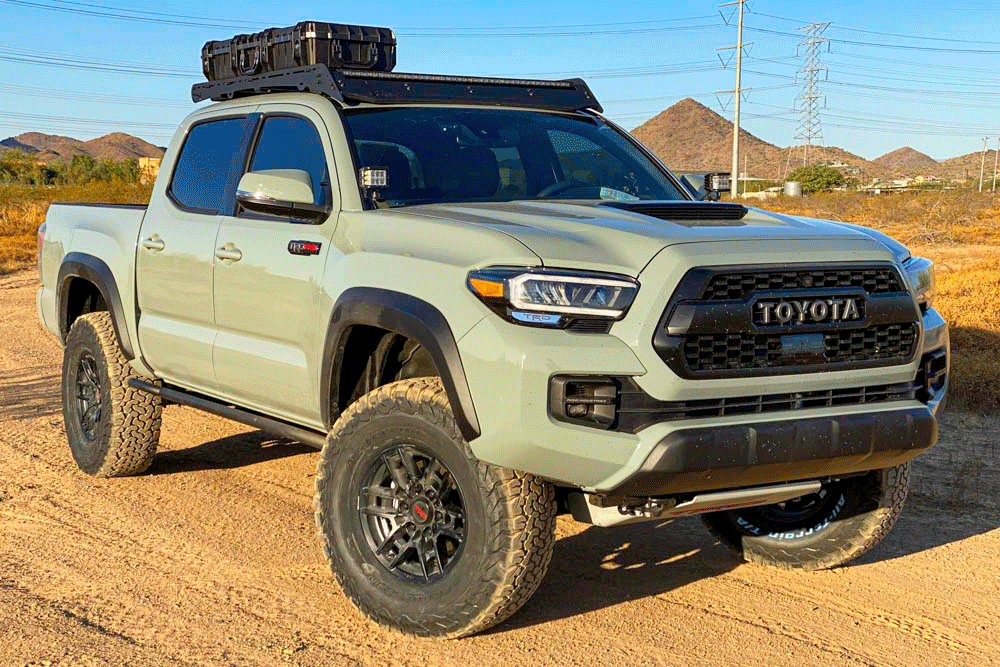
{"x": 810, "y": 131}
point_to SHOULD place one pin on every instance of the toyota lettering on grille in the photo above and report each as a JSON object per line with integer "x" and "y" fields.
{"x": 809, "y": 311}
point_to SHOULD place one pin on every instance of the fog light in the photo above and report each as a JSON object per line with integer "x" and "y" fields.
{"x": 584, "y": 400}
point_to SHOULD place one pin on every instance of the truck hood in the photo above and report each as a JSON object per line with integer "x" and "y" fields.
{"x": 575, "y": 234}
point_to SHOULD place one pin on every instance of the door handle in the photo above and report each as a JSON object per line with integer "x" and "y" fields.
{"x": 229, "y": 253}
{"x": 154, "y": 243}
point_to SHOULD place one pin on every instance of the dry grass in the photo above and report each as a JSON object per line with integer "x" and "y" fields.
{"x": 915, "y": 218}
{"x": 23, "y": 208}
{"x": 959, "y": 230}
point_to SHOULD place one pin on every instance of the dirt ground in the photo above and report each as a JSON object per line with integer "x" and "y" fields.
{"x": 212, "y": 558}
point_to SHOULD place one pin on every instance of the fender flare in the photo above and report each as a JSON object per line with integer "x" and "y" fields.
{"x": 408, "y": 316}
{"x": 97, "y": 272}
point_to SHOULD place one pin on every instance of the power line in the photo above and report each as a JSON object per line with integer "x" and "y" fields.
{"x": 105, "y": 14}
{"x": 876, "y": 32}
{"x": 84, "y": 121}
{"x": 49, "y": 93}
{"x": 880, "y": 45}
{"x": 161, "y": 18}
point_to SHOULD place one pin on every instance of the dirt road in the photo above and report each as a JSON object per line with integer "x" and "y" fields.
{"x": 211, "y": 558}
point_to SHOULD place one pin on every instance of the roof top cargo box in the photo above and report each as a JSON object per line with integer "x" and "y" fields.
{"x": 306, "y": 43}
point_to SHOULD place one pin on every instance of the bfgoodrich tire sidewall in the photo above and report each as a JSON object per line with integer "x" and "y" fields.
{"x": 386, "y": 594}
{"x": 89, "y": 455}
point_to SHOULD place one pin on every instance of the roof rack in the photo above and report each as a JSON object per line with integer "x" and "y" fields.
{"x": 356, "y": 86}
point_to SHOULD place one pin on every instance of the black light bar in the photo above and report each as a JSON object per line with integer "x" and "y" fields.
{"x": 355, "y": 86}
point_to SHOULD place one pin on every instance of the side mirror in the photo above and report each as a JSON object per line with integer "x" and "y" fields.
{"x": 716, "y": 184}
{"x": 287, "y": 193}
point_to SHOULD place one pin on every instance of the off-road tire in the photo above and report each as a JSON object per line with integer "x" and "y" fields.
{"x": 510, "y": 518}
{"x": 128, "y": 430}
{"x": 855, "y": 520}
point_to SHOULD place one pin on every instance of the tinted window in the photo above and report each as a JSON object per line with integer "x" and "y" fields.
{"x": 441, "y": 154}
{"x": 292, "y": 143}
{"x": 204, "y": 172}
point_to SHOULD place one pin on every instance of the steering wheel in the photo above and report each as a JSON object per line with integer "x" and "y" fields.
{"x": 560, "y": 186}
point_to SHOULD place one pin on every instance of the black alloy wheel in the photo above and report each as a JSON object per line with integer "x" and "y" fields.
{"x": 412, "y": 513}
{"x": 88, "y": 396}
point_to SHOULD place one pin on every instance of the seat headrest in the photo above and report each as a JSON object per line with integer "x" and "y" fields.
{"x": 464, "y": 172}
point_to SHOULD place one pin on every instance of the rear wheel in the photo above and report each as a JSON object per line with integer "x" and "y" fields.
{"x": 423, "y": 537}
{"x": 113, "y": 429}
{"x": 839, "y": 523}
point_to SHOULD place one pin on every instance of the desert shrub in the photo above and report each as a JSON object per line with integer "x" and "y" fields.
{"x": 23, "y": 209}
{"x": 817, "y": 178}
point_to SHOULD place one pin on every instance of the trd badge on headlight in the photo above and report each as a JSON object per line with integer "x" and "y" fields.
{"x": 809, "y": 311}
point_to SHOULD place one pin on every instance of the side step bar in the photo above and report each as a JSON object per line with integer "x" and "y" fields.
{"x": 716, "y": 501}
{"x": 273, "y": 426}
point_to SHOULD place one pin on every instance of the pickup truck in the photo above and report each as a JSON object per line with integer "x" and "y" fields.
{"x": 488, "y": 305}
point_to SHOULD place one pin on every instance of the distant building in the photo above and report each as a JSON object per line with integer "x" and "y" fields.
{"x": 149, "y": 167}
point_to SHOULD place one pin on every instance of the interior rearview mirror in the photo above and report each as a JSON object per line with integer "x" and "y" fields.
{"x": 280, "y": 192}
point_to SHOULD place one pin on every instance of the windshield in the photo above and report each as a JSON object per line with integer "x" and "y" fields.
{"x": 442, "y": 154}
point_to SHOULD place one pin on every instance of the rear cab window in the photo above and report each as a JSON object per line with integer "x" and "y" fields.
{"x": 204, "y": 178}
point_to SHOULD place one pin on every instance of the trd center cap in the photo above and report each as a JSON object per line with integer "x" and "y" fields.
{"x": 422, "y": 511}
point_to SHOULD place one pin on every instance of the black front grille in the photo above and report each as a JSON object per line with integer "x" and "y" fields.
{"x": 740, "y": 285}
{"x": 748, "y": 351}
{"x": 847, "y": 316}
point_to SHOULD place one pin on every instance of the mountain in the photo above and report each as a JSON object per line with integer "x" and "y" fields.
{"x": 968, "y": 165}
{"x": 907, "y": 161}
{"x": 691, "y": 137}
{"x": 54, "y": 148}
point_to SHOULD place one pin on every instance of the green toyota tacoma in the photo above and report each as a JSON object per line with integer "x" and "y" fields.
{"x": 488, "y": 305}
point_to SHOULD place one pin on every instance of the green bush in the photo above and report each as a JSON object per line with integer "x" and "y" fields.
{"x": 20, "y": 168}
{"x": 817, "y": 178}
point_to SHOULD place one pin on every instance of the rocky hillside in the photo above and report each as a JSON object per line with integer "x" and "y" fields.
{"x": 691, "y": 137}
{"x": 968, "y": 165}
{"x": 54, "y": 148}
{"x": 907, "y": 161}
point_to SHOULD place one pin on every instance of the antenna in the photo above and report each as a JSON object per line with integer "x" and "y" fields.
{"x": 810, "y": 131}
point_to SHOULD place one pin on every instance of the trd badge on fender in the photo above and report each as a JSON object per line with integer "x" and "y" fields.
{"x": 808, "y": 311}
{"x": 304, "y": 247}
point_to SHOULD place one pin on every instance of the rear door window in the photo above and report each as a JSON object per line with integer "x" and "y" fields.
{"x": 290, "y": 142}
{"x": 210, "y": 161}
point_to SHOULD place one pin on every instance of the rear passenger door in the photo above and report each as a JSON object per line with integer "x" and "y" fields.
{"x": 269, "y": 305}
{"x": 175, "y": 258}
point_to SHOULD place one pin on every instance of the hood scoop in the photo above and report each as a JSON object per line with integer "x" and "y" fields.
{"x": 683, "y": 210}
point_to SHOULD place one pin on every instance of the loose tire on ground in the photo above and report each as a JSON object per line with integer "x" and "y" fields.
{"x": 373, "y": 478}
{"x": 113, "y": 430}
{"x": 846, "y": 519}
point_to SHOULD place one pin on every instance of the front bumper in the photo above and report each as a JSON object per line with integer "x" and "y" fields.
{"x": 509, "y": 369}
{"x": 755, "y": 454}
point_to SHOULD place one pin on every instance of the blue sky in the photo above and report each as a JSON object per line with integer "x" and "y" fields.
{"x": 918, "y": 73}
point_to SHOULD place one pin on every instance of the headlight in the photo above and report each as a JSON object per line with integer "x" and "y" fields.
{"x": 921, "y": 279}
{"x": 541, "y": 297}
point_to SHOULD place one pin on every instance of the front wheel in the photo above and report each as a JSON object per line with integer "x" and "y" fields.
{"x": 421, "y": 536}
{"x": 833, "y": 526}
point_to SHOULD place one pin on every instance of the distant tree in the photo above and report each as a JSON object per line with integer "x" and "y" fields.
{"x": 817, "y": 178}
{"x": 19, "y": 167}
{"x": 81, "y": 170}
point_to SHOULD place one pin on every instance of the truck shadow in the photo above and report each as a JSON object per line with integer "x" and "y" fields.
{"x": 234, "y": 451}
{"x": 28, "y": 393}
{"x": 599, "y": 568}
